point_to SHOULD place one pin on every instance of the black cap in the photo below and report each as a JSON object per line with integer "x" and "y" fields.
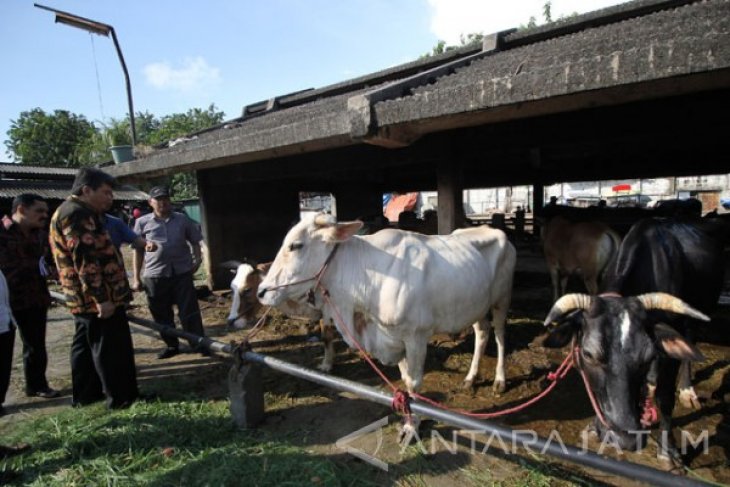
{"x": 159, "y": 192}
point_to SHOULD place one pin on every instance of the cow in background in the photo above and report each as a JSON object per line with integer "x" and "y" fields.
{"x": 245, "y": 306}
{"x": 577, "y": 248}
{"x": 632, "y": 348}
{"x": 393, "y": 290}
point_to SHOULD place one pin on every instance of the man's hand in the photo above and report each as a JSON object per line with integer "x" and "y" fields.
{"x": 136, "y": 285}
{"x": 106, "y": 309}
{"x": 150, "y": 246}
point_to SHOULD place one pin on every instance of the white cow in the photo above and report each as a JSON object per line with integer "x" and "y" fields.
{"x": 245, "y": 307}
{"x": 395, "y": 289}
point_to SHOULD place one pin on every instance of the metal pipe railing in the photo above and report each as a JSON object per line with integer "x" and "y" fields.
{"x": 585, "y": 458}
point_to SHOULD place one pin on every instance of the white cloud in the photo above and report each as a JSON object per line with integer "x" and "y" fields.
{"x": 451, "y": 18}
{"x": 193, "y": 75}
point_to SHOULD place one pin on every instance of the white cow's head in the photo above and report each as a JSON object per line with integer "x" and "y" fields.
{"x": 305, "y": 250}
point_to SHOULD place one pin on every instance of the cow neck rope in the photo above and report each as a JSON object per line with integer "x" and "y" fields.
{"x": 317, "y": 277}
{"x": 589, "y": 390}
{"x": 257, "y": 327}
{"x": 401, "y": 398}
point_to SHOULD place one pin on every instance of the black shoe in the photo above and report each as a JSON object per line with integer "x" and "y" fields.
{"x": 203, "y": 351}
{"x": 2, "y": 411}
{"x": 168, "y": 352}
{"x": 46, "y": 393}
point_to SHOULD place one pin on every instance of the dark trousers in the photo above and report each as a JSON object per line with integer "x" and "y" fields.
{"x": 163, "y": 292}
{"x": 7, "y": 341}
{"x": 102, "y": 360}
{"x": 32, "y": 330}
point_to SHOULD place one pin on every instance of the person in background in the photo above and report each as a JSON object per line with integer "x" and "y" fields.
{"x": 91, "y": 271}
{"x": 168, "y": 271}
{"x": 7, "y": 340}
{"x": 120, "y": 233}
{"x": 23, "y": 253}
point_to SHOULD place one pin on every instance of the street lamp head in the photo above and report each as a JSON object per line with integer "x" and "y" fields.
{"x": 101, "y": 29}
{"x": 79, "y": 22}
{"x": 84, "y": 24}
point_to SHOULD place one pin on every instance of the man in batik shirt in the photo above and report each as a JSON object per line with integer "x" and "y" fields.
{"x": 93, "y": 277}
{"x": 23, "y": 252}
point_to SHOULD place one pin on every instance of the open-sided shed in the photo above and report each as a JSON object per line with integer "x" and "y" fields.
{"x": 636, "y": 90}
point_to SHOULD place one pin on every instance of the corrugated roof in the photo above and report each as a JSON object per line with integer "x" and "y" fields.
{"x": 23, "y": 170}
{"x": 59, "y": 190}
{"x": 592, "y": 60}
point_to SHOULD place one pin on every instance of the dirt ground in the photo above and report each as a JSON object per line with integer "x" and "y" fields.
{"x": 321, "y": 416}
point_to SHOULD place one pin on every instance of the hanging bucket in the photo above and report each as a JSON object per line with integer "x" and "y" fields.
{"x": 121, "y": 153}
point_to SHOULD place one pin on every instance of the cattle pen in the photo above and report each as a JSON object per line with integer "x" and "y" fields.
{"x": 254, "y": 408}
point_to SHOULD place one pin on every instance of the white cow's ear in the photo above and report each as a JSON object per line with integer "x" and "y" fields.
{"x": 345, "y": 230}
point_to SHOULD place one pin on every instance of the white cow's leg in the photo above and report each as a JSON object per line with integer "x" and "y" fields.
{"x": 411, "y": 369}
{"x": 328, "y": 339}
{"x": 499, "y": 320}
{"x": 481, "y": 338}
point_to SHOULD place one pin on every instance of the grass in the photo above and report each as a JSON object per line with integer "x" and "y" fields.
{"x": 165, "y": 444}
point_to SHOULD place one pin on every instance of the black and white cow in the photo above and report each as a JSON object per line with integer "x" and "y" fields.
{"x": 633, "y": 338}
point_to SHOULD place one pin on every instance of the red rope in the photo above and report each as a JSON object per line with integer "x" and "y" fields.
{"x": 592, "y": 397}
{"x": 401, "y": 398}
{"x": 257, "y": 327}
{"x": 650, "y": 415}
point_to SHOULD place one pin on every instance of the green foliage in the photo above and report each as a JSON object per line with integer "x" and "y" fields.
{"x": 59, "y": 139}
{"x": 69, "y": 140}
{"x": 441, "y": 46}
{"x": 183, "y": 185}
{"x": 177, "y": 125}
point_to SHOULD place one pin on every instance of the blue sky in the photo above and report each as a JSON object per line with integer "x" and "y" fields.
{"x": 184, "y": 54}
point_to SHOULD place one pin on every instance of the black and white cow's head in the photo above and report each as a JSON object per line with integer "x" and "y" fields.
{"x": 617, "y": 344}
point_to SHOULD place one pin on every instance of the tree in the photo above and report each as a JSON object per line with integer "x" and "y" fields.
{"x": 184, "y": 185}
{"x": 57, "y": 139}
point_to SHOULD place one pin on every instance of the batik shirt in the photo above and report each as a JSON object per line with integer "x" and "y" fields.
{"x": 90, "y": 267}
{"x": 23, "y": 261}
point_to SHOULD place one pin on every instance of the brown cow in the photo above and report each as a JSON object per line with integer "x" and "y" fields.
{"x": 583, "y": 248}
{"x": 245, "y": 307}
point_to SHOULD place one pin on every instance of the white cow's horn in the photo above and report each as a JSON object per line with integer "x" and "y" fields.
{"x": 324, "y": 220}
{"x": 568, "y": 303}
{"x": 667, "y": 302}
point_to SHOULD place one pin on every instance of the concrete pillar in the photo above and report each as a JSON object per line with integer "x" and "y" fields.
{"x": 243, "y": 220}
{"x": 450, "y": 198}
{"x": 538, "y": 202}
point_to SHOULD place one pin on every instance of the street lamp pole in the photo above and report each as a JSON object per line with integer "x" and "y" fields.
{"x": 103, "y": 29}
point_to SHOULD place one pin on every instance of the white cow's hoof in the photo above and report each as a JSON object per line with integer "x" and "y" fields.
{"x": 408, "y": 433}
{"x": 499, "y": 386}
{"x": 670, "y": 463}
{"x": 468, "y": 384}
{"x": 325, "y": 367}
{"x": 688, "y": 398}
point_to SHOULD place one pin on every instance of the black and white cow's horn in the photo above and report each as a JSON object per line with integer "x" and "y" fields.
{"x": 667, "y": 302}
{"x": 324, "y": 220}
{"x": 568, "y": 303}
